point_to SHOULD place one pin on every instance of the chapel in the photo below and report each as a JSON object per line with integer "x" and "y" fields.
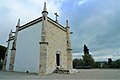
{"x": 39, "y": 46}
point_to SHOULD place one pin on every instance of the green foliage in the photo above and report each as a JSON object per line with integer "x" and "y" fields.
{"x": 114, "y": 64}
{"x": 80, "y": 63}
{"x": 88, "y": 60}
{"x": 77, "y": 62}
{"x": 97, "y": 65}
{"x": 111, "y": 64}
{"x": 109, "y": 61}
{"x": 2, "y": 52}
{"x": 117, "y": 63}
{"x": 105, "y": 65}
{"x": 86, "y": 50}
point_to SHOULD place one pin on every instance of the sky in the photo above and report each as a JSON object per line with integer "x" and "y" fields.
{"x": 93, "y": 22}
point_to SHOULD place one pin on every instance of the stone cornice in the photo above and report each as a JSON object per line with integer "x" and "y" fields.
{"x": 44, "y": 12}
{"x": 36, "y": 21}
{"x": 13, "y": 48}
{"x": 11, "y": 38}
{"x": 43, "y": 43}
{"x": 69, "y": 49}
{"x": 39, "y": 20}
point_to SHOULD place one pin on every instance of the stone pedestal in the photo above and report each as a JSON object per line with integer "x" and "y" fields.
{"x": 12, "y": 59}
{"x": 43, "y": 58}
{"x": 4, "y": 65}
{"x": 4, "y": 62}
{"x": 69, "y": 58}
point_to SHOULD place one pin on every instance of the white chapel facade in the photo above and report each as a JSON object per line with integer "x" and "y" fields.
{"x": 39, "y": 46}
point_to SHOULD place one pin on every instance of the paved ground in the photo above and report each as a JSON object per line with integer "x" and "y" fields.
{"x": 84, "y": 74}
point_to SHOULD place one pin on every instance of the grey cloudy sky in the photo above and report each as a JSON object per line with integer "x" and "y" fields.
{"x": 93, "y": 22}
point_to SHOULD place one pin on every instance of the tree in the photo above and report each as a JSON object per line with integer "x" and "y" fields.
{"x": 116, "y": 64}
{"x": 86, "y": 50}
{"x": 105, "y": 65}
{"x": 2, "y": 52}
{"x": 81, "y": 62}
{"x": 87, "y": 58}
{"x": 109, "y": 62}
{"x": 77, "y": 63}
{"x": 97, "y": 65}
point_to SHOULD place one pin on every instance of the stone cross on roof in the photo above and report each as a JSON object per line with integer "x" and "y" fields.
{"x": 56, "y": 16}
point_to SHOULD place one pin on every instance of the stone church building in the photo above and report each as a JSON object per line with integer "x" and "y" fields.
{"x": 40, "y": 46}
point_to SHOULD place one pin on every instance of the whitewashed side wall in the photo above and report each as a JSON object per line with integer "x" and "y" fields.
{"x": 8, "y": 56}
{"x": 28, "y": 49}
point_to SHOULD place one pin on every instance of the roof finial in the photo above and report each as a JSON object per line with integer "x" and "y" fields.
{"x": 10, "y": 33}
{"x": 18, "y": 24}
{"x": 45, "y": 9}
{"x": 66, "y": 23}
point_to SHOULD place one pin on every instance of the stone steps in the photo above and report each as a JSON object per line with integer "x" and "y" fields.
{"x": 61, "y": 70}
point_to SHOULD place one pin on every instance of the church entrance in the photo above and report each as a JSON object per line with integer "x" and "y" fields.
{"x": 58, "y": 59}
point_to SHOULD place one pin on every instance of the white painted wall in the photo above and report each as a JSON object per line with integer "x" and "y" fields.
{"x": 28, "y": 49}
{"x": 9, "y": 54}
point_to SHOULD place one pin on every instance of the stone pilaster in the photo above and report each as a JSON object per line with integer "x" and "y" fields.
{"x": 69, "y": 50}
{"x": 5, "y": 59}
{"x": 13, "y": 50}
{"x": 43, "y": 44}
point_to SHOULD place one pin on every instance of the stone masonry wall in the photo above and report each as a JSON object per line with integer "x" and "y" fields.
{"x": 56, "y": 38}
